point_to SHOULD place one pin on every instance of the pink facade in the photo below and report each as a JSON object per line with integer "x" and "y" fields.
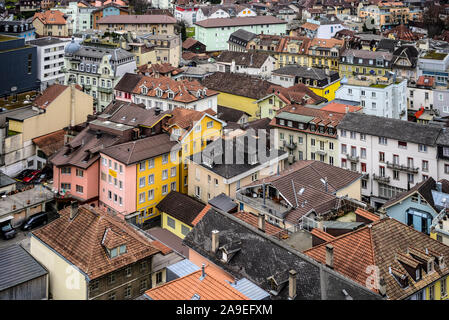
{"x": 83, "y": 182}
{"x": 123, "y": 96}
{"x": 117, "y": 187}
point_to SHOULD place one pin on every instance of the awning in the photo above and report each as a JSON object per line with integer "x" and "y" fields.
{"x": 6, "y": 218}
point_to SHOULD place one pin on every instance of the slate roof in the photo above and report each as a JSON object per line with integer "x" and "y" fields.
{"x": 18, "y": 266}
{"x": 365, "y": 54}
{"x": 390, "y": 128}
{"x": 128, "y": 82}
{"x": 304, "y": 72}
{"x": 79, "y": 240}
{"x": 181, "y": 207}
{"x": 185, "y": 288}
{"x": 132, "y": 114}
{"x": 247, "y": 59}
{"x": 135, "y": 151}
{"x": 50, "y": 143}
{"x": 237, "y": 84}
{"x": 386, "y": 243}
{"x": 261, "y": 256}
{"x": 252, "y": 219}
{"x": 223, "y": 202}
{"x": 243, "y": 35}
{"x": 229, "y": 114}
{"x": 47, "y": 41}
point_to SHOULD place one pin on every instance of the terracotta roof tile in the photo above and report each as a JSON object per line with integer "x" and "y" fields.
{"x": 366, "y": 214}
{"x": 201, "y": 214}
{"x": 322, "y": 235}
{"x": 49, "y": 95}
{"x": 50, "y": 17}
{"x": 50, "y": 143}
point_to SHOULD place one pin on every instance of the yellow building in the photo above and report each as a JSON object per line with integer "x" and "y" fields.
{"x": 325, "y": 53}
{"x": 52, "y": 23}
{"x": 238, "y": 91}
{"x": 193, "y": 130}
{"x": 180, "y": 213}
{"x": 365, "y": 63}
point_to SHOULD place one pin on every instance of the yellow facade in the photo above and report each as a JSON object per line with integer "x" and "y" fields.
{"x": 177, "y": 230}
{"x": 327, "y": 92}
{"x": 437, "y": 290}
{"x": 160, "y": 186}
{"x": 317, "y": 61}
{"x": 349, "y": 70}
{"x": 233, "y": 101}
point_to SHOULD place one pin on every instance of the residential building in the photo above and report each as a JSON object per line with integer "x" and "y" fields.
{"x": 278, "y": 97}
{"x": 105, "y": 258}
{"x": 420, "y": 94}
{"x": 141, "y": 24}
{"x": 405, "y": 265}
{"x": 323, "y": 82}
{"x": 215, "y": 33}
{"x": 434, "y": 64}
{"x": 393, "y": 155}
{"x": 324, "y": 28}
{"x": 165, "y": 93}
{"x": 379, "y": 96}
{"x": 237, "y": 91}
{"x": 228, "y": 164}
{"x": 405, "y": 61}
{"x": 225, "y": 11}
{"x": 230, "y": 115}
{"x": 238, "y": 40}
{"x": 325, "y": 53}
{"x": 97, "y": 70}
{"x": 307, "y": 133}
{"x": 29, "y": 281}
{"x": 366, "y": 63}
{"x": 186, "y": 13}
{"x": 277, "y": 268}
{"x": 58, "y": 107}
{"x": 21, "y": 29}
{"x": 50, "y": 60}
{"x": 52, "y": 23}
{"x": 385, "y": 15}
{"x": 19, "y": 62}
{"x": 179, "y": 213}
{"x": 443, "y": 155}
{"x": 111, "y": 9}
{"x": 193, "y": 45}
{"x": 167, "y": 48}
{"x": 251, "y": 63}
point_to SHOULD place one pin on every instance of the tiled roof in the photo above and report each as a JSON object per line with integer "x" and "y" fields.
{"x": 156, "y": 69}
{"x": 185, "y": 119}
{"x": 326, "y": 43}
{"x": 138, "y": 19}
{"x": 426, "y": 81}
{"x": 299, "y": 93}
{"x": 188, "y": 43}
{"x": 252, "y": 219}
{"x": 237, "y": 84}
{"x": 50, "y": 17}
{"x": 49, "y": 95}
{"x": 138, "y": 150}
{"x": 240, "y": 21}
{"x": 207, "y": 288}
{"x": 322, "y": 235}
{"x": 201, "y": 214}
{"x": 229, "y": 114}
{"x": 79, "y": 240}
{"x": 341, "y": 108}
{"x": 181, "y": 207}
{"x": 50, "y": 143}
{"x": 247, "y": 59}
{"x": 367, "y": 215}
{"x": 131, "y": 114}
{"x": 310, "y": 26}
{"x": 385, "y": 244}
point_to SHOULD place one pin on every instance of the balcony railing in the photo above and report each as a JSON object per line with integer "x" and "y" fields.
{"x": 352, "y": 158}
{"x": 321, "y": 152}
{"x": 105, "y": 90}
{"x": 397, "y": 166}
{"x": 269, "y": 207}
{"x": 290, "y": 145}
{"x": 383, "y": 179}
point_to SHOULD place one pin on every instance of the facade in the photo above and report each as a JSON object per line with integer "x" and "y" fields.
{"x": 167, "y": 48}
{"x": 434, "y": 64}
{"x": 110, "y": 9}
{"x": 325, "y": 53}
{"x": 50, "y": 60}
{"x": 385, "y": 15}
{"x": 97, "y": 70}
{"x": 214, "y": 33}
{"x": 133, "y": 261}
{"x": 365, "y": 63}
{"x": 393, "y": 155}
{"x": 376, "y": 96}
{"x": 19, "y": 62}
{"x": 52, "y": 23}
{"x": 20, "y": 29}
{"x": 165, "y": 93}
{"x": 153, "y": 24}
{"x": 238, "y": 40}
{"x": 186, "y": 14}
{"x": 251, "y": 63}
{"x": 224, "y": 12}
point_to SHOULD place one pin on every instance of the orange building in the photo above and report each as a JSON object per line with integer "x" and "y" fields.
{"x": 110, "y": 9}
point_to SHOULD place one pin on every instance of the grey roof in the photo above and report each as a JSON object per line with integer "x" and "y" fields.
{"x": 22, "y": 113}
{"x": 443, "y": 139}
{"x": 261, "y": 257}
{"x": 307, "y": 72}
{"x": 98, "y": 53}
{"x": 365, "y": 54}
{"x": 244, "y": 35}
{"x": 223, "y": 202}
{"x": 342, "y": 225}
{"x": 390, "y": 128}
{"x": 183, "y": 268}
{"x": 47, "y": 41}
{"x": 249, "y": 289}
{"x": 18, "y": 266}
{"x": 6, "y": 180}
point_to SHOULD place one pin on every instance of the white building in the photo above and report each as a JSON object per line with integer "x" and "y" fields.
{"x": 186, "y": 14}
{"x": 161, "y": 4}
{"x": 81, "y": 16}
{"x": 392, "y": 154}
{"x": 379, "y": 98}
{"x": 252, "y": 63}
{"x": 50, "y": 60}
{"x": 224, "y": 11}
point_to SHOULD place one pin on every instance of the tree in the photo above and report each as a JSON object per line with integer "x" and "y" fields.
{"x": 180, "y": 28}
{"x": 432, "y": 21}
{"x": 139, "y": 6}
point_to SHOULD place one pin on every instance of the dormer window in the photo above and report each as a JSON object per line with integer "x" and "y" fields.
{"x": 144, "y": 90}
{"x": 171, "y": 95}
{"x": 117, "y": 251}
{"x": 159, "y": 92}
{"x": 418, "y": 274}
{"x": 81, "y": 66}
{"x": 430, "y": 266}
{"x": 312, "y": 127}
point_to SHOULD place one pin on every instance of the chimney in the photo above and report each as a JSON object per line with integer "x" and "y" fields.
{"x": 382, "y": 286}
{"x": 262, "y": 222}
{"x": 292, "y": 284}
{"x": 330, "y": 256}
{"x": 203, "y": 271}
{"x": 73, "y": 209}
{"x": 215, "y": 240}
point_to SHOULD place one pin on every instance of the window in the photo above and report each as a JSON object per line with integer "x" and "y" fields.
{"x": 66, "y": 170}
{"x": 93, "y": 285}
{"x": 432, "y": 292}
{"x": 143, "y": 266}
{"x": 443, "y": 287}
{"x": 79, "y": 189}
{"x": 79, "y": 172}
{"x": 173, "y": 172}
{"x": 165, "y": 174}
{"x": 142, "y": 197}
{"x": 363, "y": 166}
{"x": 422, "y": 148}
{"x": 159, "y": 277}
{"x": 171, "y": 222}
{"x": 410, "y": 177}
{"x": 143, "y": 285}
{"x": 383, "y": 140}
{"x": 164, "y": 189}
{"x": 425, "y": 165}
{"x": 66, "y": 186}
{"x": 363, "y": 153}
{"x": 402, "y": 145}
{"x": 331, "y": 146}
{"x": 363, "y": 137}
{"x": 353, "y": 135}
{"x": 150, "y": 163}
{"x": 173, "y": 186}
{"x": 184, "y": 230}
{"x": 381, "y": 156}
{"x": 381, "y": 171}
{"x": 128, "y": 292}
{"x": 395, "y": 174}
{"x": 165, "y": 159}
{"x": 141, "y": 166}
{"x": 343, "y": 149}
{"x": 343, "y": 133}
{"x": 150, "y": 179}
{"x": 111, "y": 296}
{"x": 142, "y": 182}
{"x": 128, "y": 272}
{"x": 197, "y": 191}
{"x": 112, "y": 277}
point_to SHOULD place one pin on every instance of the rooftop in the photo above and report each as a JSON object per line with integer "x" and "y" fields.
{"x": 240, "y": 21}
{"x": 181, "y": 207}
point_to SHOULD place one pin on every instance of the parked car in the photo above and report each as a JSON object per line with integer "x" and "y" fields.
{"x": 7, "y": 231}
{"x": 45, "y": 175}
{"x": 33, "y": 175}
{"x": 35, "y": 220}
{"x": 23, "y": 174}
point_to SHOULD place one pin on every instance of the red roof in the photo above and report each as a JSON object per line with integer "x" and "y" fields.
{"x": 341, "y": 108}
{"x": 425, "y": 81}
{"x": 322, "y": 235}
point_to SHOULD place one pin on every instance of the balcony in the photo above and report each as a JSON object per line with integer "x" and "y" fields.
{"x": 397, "y": 166}
{"x": 290, "y": 145}
{"x": 365, "y": 176}
{"x": 321, "y": 152}
{"x": 87, "y": 86}
{"x": 105, "y": 90}
{"x": 271, "y": 207}
{"x": 381, "y": 179}
{"x": 352, "y": 158}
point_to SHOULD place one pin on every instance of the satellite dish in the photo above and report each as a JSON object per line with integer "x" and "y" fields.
{"x": 323, "y": 181}
{"x": 301, "y": 191}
